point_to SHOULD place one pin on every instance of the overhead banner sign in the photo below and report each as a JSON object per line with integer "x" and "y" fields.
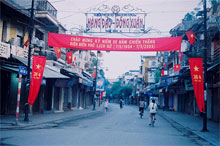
{"x": 115, "y": 23}
{"x": 120, "y": 20}
{"x": 114, "y": 44}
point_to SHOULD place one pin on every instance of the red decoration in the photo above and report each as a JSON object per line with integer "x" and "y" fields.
{"x": 164, "y": 65}
{"x": 26, "y": 43}
{"x": 196, "y": 69}
{"x": 36, "y": 77}
{"x": 191, "y": 36}
{"x": 101, "y": 95}
{"x": 162, "y": 72}
{"x": 57, "y": 51}
{"x": 114, "y": 44}
{"x": 94, "y": 74}
{"x": 176, "y": 67}
{"x": 69, "y": 57}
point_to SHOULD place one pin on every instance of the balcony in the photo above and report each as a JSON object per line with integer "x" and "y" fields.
{"x": 46, "y": 13}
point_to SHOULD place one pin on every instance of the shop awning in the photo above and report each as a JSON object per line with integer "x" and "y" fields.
{"x": 213, "y": 66}
{"x": 50, "y": 74}
{"x": 8, "y": 67}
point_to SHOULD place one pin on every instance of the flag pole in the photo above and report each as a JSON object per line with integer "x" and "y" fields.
{"x": 204, "y": 129}
{"x": 31, "y": 28}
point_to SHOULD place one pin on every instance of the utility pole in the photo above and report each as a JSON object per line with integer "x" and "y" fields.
{"x": 96, "y": 74}
{"x": 30, "y": 32}
{"x": 204, "y": 129}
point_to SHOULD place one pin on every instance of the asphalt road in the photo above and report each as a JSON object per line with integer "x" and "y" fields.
{"x": 116, "y": 127}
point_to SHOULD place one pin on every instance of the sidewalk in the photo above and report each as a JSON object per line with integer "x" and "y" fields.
{"x": 195, "y": 124}
{"x": 40, "y": 120}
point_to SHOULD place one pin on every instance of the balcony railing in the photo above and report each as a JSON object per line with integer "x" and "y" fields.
{"x": 44, "y": 5}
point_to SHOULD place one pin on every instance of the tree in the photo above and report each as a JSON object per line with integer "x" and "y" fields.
{"x": 126, "y": 91}
{"x": 102, "y": 73}
{"x": 115, "y": 90}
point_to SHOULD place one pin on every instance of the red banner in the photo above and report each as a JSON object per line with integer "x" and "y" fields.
{"x": 69, "y": 57}
{"x": 36, "y": 77}
{"x": 176, "y": 67}
{"x": 197, "y": 80}
{"x": 191, "y": 36}
{"x": 114, "y": 44}
{"x": 57, "y": 51}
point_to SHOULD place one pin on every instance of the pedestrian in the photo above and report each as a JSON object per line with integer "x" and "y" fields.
{"x": 153, "y": 110}
{"x": 121, "y": 103}
{"x": 141, "y": 107}
{"x": 94, "y": 103}
{"x": 145, "y": 105}
{"x": 163, "y": 106}
{"x": 106, "y": 105}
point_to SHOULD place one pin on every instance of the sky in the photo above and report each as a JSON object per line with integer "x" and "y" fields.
{"x": 162, "y": 15}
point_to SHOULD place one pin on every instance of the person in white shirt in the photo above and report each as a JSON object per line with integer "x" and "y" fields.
{"x": 153, "y": 110}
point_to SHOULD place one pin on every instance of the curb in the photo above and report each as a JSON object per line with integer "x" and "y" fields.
{"x": 170, "y": 120}
{"x": 42, "y": 124}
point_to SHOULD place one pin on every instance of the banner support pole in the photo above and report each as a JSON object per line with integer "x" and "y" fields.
{"x": 204, "y": 129}
{"x": 31, "y": 28}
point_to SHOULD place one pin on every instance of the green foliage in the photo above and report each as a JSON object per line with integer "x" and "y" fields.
{"x": 108, "y": 92}
{"x": 126, "y": 91}
{"x": 106, "y": 82}
{"x": 214, "y": 4}
{"x": 189, "y": 16}
{"x": 102, "y": 73}
{"x": 115, "y": 90}
{"x": 94, "y": 61}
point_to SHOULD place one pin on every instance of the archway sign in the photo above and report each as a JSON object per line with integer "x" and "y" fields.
{"x": 114, "y": 44}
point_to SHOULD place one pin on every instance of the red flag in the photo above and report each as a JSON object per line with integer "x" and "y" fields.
{"x": 94, "y": 74}
{"x": 197, "y": 80}
{"x": 57, "y": 51}
{"x": 69, "y": 57}
{"x": 162, "y": 72}
{"x": 26, "y": 43}
{"x": 180, "y": 56}
{"x": 191, "y": 36}
{"x": 176, "y": 67}
{"x": 164, "y": 65}
{"x": 101, "y": 95}
{"x": 36, "y": 77}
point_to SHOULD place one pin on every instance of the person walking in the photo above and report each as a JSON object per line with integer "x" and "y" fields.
{"x": 141, "y": 107}
{"x": 121, "y": 103}
{"x": 153, "y": 110}
{"x": 106, "y": 105}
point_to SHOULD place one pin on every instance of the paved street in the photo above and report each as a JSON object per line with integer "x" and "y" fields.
{"x": 116, "y": 127}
